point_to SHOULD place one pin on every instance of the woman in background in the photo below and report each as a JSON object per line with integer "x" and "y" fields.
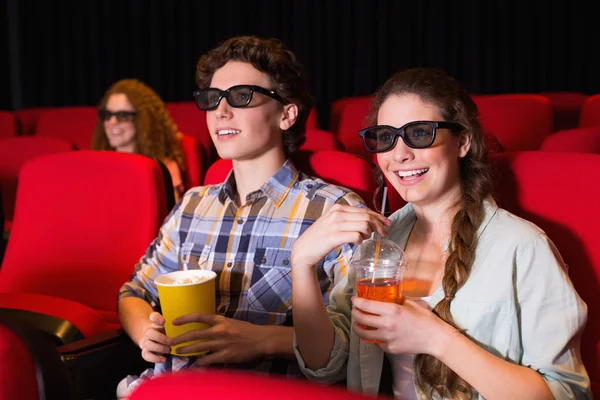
{"x": 132, "y": 118}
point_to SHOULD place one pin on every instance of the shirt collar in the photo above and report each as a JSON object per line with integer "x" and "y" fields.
{"x": 276, "y": 188}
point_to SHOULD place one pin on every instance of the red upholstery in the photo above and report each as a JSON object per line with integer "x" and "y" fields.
{"x": 590, "y": 112}
{"x": 313, "y": 120}
{"x": 8, "y": 125}
{"x": 338, "y": 105}
{"x": 83, "y": 219}
{"x": 578, "y": 140}
{"x": 192, "y": 122}
{"x": 352, "y": 118}
{"x": 194, "y": 162}
{"x": 519, "y": 121}
{"x": 334, "y": 167}
{"x": 28, "y": 119}
{"x": 88, "y": 321}
{"x": 17, "y": 369}
{"x": 30, "y": 366}
{"x": 566, "y": 108}
{"x": 16, "y": 151}
{"x": 558, "y": 192}
{"x": 318, "y": 139}
{"x": 227, "y": 384}
{"x": 75, "y": 124}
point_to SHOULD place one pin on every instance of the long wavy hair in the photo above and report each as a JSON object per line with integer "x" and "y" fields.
{"x": 272, "y": 57}
{"x": 156, "y": 133}
{"x": 436, "y": 87}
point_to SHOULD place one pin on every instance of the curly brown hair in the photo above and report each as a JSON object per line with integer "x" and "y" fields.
{"x": 434, "y": 86}
{"x": 156, "y": 135}
{"x": 273, "y": 58}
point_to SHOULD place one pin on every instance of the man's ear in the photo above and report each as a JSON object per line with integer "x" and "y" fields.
{"x": 464, "y": 143}
{"x": 288, "y": 116}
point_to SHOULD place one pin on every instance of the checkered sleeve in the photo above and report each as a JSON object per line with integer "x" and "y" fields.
{"x": 337, "y": 262}
{"x": 160, "y": 257}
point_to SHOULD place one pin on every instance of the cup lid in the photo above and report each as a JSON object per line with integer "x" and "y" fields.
{"x": 386, "y": 252}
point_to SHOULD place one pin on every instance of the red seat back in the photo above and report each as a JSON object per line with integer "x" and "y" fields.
{"x": 31, "y": 368}
{"x": 16, "y": 151}
{"x": 192, "y": 122}
{"x": 338, "y": 106}
{"x": 83, "y": 220}
{"x": 318, "y": 139}
{"x": 334, "y": 167}
{"x": 578, "y": 140}
{"x": 194, "y": 161}
{"x": 519, "y": 121}
{"x": 74, "y": 124}
{"x": 8, "y": 124}
{"x": 590, "y": 112}
{"x": 28, "y": 118}
{"x": 353, "y": 118}
{"x": 313, "y": 120}
{"x": 17, "y": 369}
{"x": 227, "y": 384}
{"x": 550, "y": 190}
{"x": 566, "y": 107}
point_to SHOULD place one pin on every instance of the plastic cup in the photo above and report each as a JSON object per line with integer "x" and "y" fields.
{"x": 186, "y": 292}
{"x": 379, "y": 266}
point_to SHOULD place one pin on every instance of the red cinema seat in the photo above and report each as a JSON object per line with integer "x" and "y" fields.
{"x": 30, "y": 366}
{"x": 338, "y": 106}
{"x": 82, "y": 221}
{"x": 192, "y": 122}
{"x": 519, "y": 121}
{"x": 8, "y": 125}
{"x": 577, "y": 140}
{"x": 318, "y": 139}
{"x": 353, "y": 118}
{"x": 313, "y": 120}
{"x": 16, "y": 151}
{"x": 566, "y": 107}
{"x": 557, "y": 192}
{"x": 194, "y": 161}
{"x": 229, "y": 385}
{"x": 590, "y": 112}
{"x": 74, "y": 124}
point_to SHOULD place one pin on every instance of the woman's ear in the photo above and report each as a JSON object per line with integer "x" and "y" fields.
{"x": 464, "y": 144}
{"x": 288, "y": 116}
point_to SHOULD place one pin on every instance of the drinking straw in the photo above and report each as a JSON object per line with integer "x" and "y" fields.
{"x": 378, "y": 236}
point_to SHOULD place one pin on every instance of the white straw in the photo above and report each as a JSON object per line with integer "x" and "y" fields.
{"x": 378, "y": 236}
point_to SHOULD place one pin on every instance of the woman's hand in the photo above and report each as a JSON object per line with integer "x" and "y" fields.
{"x": 407, "y": 328}
{"x": 340, "y": 225}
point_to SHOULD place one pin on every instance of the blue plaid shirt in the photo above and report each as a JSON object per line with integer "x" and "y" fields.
{"x": 248, "y": 247}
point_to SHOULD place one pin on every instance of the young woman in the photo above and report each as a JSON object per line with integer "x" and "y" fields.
{"x": 488, "y": 311}
{"x": 132, "y": 118}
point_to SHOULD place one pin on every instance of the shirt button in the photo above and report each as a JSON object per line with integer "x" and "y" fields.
{"x": 240, "y": 221}
{"x": 286, "y": 262}
{"x": 229, "y": 265}
{"x": 263, "y": 261}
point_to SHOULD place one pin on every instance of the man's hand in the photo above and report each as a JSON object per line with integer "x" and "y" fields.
{"x": 228, "y": 340}
{"x": 155, "y": 344}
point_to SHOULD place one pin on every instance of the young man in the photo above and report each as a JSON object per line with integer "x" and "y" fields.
{"x": 257, "y": 101}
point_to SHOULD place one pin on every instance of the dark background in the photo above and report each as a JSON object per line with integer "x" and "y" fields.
{"x": 68, "y": 52}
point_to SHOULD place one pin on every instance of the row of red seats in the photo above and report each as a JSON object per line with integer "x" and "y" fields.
{"x": 514, "y": 122}
{"x": 83, "y": 219}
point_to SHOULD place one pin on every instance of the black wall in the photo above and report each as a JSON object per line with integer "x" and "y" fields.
{"x": 67, "y": 52}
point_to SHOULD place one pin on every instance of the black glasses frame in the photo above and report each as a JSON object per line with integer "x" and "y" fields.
{"x": 225, "y": 94}
{"x": 399, "y": 132}
{"x": 121, "y": 116}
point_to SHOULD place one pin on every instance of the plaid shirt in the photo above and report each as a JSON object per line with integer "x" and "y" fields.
{"x": 248, "y": 247}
